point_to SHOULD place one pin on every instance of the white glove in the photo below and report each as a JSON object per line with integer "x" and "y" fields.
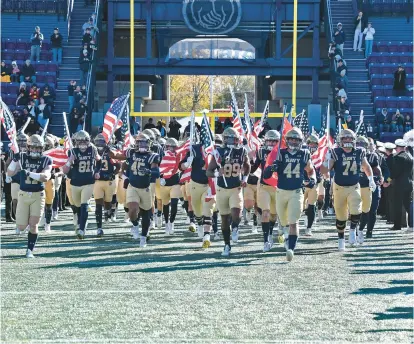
{"x": 8, "y": 179}
{"x": 216, "y": 174}
{"x": 162, "y": 182}
{"x": 189, "y": 161}
{"x": 372, "y": 185}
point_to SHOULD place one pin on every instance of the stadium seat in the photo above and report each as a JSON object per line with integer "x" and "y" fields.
{"x": 389, "y": 68}
{"x": 383, "y": 58}
{"x": 7, "y": 54}
{"x": 376, "y": 79}
{"x": 45, "y": 55}
{"x": 40, "y": 66}
{"x": 392, "y": 102}
{"x": 21, "y": 55}
{"x": 377, "y": 91}
{"x": 46, "y": 45}
{"x": 51, "y": 67}
{"x": 387, "y": 90}
{"x": 40, "y": 77}
{"x": 388, "y": 79}
{"x": 382, "y": 47}
{"x": 374, "y": 68}
{"x": 380, "y": 102}
{"x": 404, "y": 102}
{"x": 392, "y": 47}
{"x": 405, "y": 57}
{"x": 10, "y": 44}
{"x": 22, "y": 45}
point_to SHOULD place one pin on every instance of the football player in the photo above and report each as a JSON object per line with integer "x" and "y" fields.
{"x": 170, "y": 191}
{"x": 290, "y": 166}
{"x": 34, "y": 170}
{"x": 250, "y": 196}
{"x": 49, "y": 187}
{"x": 266, "y": 194}
{"x": 366, "y": 193}
{"x": 347, "y": 161}
{"x": 84, "y": 163}
{"x": 142, "y": 166}
{"x": 233, "y": 172}
{"x": 104, "y": 187}
{"x": 197, "y": 190}
{"x": 15, "y": 179}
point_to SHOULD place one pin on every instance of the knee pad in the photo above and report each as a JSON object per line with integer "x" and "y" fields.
{"x": 355, "y": 218}
{"x": 207, "y": 220}
{"x": 340, "y": 225}
{"x": 174, "y": 201}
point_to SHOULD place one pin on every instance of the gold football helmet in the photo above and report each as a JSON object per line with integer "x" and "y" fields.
{"x": 231, "y": 138}
{"x": 271, "y": 139}
{"x": 35, "y": 146}
{"x": 294, "y": 139}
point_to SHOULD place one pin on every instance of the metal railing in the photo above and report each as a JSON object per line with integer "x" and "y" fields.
{"x": 91, "y": 78}
{"x": 69, "y": 15}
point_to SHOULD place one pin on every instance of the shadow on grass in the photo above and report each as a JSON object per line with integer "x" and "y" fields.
{"x": 395, "y": 313}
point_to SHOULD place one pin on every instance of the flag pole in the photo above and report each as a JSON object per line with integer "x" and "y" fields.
{"x": 361, "y": 119}
{"x": 45, "y": 129}
{"x": 328, "y": 128}
{"x": 25, "y": 125}
{"x": 281, "y": 132}
{"x": 65, "y": 120}
{"x": 192, "y": 124}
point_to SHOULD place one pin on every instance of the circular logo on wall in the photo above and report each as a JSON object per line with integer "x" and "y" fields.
{"x": 210, "y": 17}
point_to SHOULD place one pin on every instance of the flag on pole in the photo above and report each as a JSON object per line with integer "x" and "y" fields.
{"x": 319, "y": 156}
{"x": 59, "y": 155}
{"x": 115, "y": 117}
{"x": 360, "y": 127}
{"x": 169, "y": 165}
{"x": 258, "y": 126}
{"x": 207, "y": 141}
{"x": 290, "y": 119}
{"x": 301, "y": 121}
{"x": 237, "y": 123}
{"x": 9, "y": 125}
{"x": 251, "y": 136}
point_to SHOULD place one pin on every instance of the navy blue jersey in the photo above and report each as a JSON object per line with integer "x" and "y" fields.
{"x": 157, "y": 149}
{"x": 232, "y": 160}
{"x": 32, "y": 165}
{"x": 198, "y": 166}
{"x": 174, "y": 180}
{"x": 372, "y": 159}
{"x": 139, "y": 164}
{"x": 107, "y": 168}
{"x": 83, "y": 168}
{"x": 291, "y": 169}
{"x": 347, "y": 166}
{"x": 16, "y": 177}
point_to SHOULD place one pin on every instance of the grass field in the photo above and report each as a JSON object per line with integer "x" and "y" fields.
{"x": 110, "y": 291}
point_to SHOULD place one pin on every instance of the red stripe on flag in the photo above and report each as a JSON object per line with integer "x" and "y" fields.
{"x": 186, "y": 176}
{"x": 169, "y": 165}
{"x": 58, "y": 155}
{"x": 319, "y": 156}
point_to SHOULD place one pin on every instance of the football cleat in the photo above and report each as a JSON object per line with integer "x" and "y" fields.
{"x": 308, "y": 232}
{"x": 81, "y": 234}
{"x": 192, "y": 227}
{"x": 18, "y": 231}
{"x": 216, "y": 236}
{"x": 360, "y": 238}
{"x": 99, "y": 233}
{"x": 254, "y": 229}
{"x": 152, "y": 225}
{"x": 270, "y": 240}
{"x": 369, "y": 234}
{"x": 167, "y": 228}
{"x": 289, "y": 255}
{"x": 206, "y": 241}
{"x": 352, "y": 237}
{"x": 200, "y": 231}
{"x": 143, "y": 241}
{"x": 266, "y": 247}
{"x": 47, "y": 227}
{"x": 126, "y": 218}
{"x": 235, "y": 234}
{"x": 320, "y": 214}
{"x": 42, "y": 221}
{"x": 135, "y": 232}
{"x": 341, "y": 244}
{"x": 29, "y": 254}
{"x": 171, "y": 226}
{"x": 226, "y": 251}
{"x": 75, "y": 220}
{"x": 55, "y": 215}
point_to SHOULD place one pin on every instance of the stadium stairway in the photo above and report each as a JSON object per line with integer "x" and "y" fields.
{"x": 69, "y": 69}
{"x": 359, "y": 93}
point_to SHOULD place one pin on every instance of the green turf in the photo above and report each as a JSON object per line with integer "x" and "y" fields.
{"x": 110, "y": 291}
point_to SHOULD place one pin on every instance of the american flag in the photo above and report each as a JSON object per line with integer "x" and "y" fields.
{"x": 360, "y": 129}
{"x": 126, "y": 136}
{"x": 207, "y": 140}
{"x": 301, "y": 121}
{"x": 252, "y": 139}
{"x": 59, "y": 155}
{"x": 258, "y": 126}
{"x": 169, "y": 165}
{"x": 115, "y": 117}
{"x": 319, "y": 156}
{"x": 237, "y": 123}
{"x": 181, "y": 152}
{"x": 9, "y": 125}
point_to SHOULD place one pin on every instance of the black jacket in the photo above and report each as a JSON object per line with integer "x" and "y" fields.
{"x": 28, "y": 70}
{"x": 402, "y": 169}
{"x": 56, "y": 41}
{"x": 363, "y": 21}
{"x": 84, "y": 63}
{"x": 399, "y": 80}
{"x": 340, "y": 37}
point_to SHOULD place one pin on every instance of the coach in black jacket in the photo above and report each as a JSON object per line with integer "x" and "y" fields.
{"x": 402, "y": 176}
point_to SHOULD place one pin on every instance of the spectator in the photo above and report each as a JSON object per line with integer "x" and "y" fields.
{"x": 360, "y": 23}
{"x": 399, "y": 81}
{"x": 174, "y": 129}
{"x": 82, "y": 107}
{"x": 408, "y": 123}
{"x": 36, "y": 39}
{"x": 399, "y": 119}
{"x": 28, "y": 72}
{"x": 186, "y": 132}
{"x": 340, "y": 67}
{"x": 334, "y": 50}
{"x": 33, "y": 127}
{"x": 339, "y": 38}
{"x": 150, "y": 124}
{"x": 344, "y": 79}
{"x": 18, "y": 119}
{"x": 43, "y": 113}
{"x": 78, "y": 95}
{"x": 6, "y": 72}
{"x": 382, "y": 121}
{"x": 56, "y": 40}
{"x": 75, "y": 118}
{"x": 87, "y": 37}
{"x": 161, "y": 127}
{"x": 370, "y": 130}
{"x": 88, "y": 25}
{"x": 342, "y": 93}
{"x": 49, "y": 95}
{"x": 369, "y": 33}
{"x": 31, "y": 108}
{"x": 71, "y": 91}
{"x": 343, "y": 108}
{"x": 15, "y": 72}
{"x": 84, "y": 63}
{"x": 227, "y": 123}
{"x": 349, "y": 122}
{"x": 22, "y": 95}
{"x": 34, "y": 94}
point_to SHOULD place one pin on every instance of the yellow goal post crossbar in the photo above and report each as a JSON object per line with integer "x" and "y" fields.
{"x": 200, "y": 114}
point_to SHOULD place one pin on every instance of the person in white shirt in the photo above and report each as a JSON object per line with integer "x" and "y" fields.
{"x": 369, "y": 33}
{"x": 360, "y": 24}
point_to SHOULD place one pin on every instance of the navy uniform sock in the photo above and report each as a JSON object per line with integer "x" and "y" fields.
{"x": 271, "y": 226}
{"x": 310, "y": 212}
{"x": 265, "y": 228}
{"x": 215, "y": 221}
{"x": 31, "y": 241}
{"x": 145, "y": 221}
{"x": 174, "y": 207}
{"x": 166, "y": 212}
{"x": 292, "y": 239}
{"x": 83, "y": 216}
{"x": 191, "y": 215}
{"x": 48, "y": 213}
{"x": 98, "y": 215}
